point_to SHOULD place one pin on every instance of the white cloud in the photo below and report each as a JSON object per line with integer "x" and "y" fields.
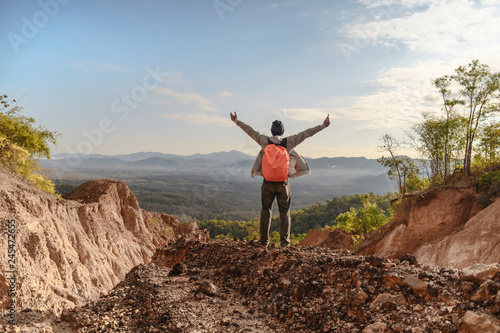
{"x": 200, "y": 118}
{"x": 403, "y": 94}
{"x": 183, "y": 105}
{"x": 224, "y": 94}
{"x": 439, "y": 38}
{"x": 175, "y": 79}
{"x": 89, "y": 65}
{"x": 306, "y": 114}
{"x": 405, "y": 3}
{"x": 281, "y": 4}
{"x": 444, "y": 28}
{"x": 187, "y": 98}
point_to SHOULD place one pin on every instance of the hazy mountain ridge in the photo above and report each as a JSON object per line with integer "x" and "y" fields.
{"x": 132, "y": 157}
{"x": 216, "y": 185}
{"x": 170, "y": 161}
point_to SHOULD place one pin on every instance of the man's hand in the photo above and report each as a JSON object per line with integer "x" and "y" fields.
{"x": 326, "y": 122}
{"x": 234, "y": 116}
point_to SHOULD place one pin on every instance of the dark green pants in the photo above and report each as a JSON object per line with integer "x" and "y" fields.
{"x": 281, "y": 191}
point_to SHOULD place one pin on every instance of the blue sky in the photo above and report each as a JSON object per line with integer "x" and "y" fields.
{"x": 117, "y": 77}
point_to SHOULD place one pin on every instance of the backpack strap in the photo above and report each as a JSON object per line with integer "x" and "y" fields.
{"x": 282, "y": 143}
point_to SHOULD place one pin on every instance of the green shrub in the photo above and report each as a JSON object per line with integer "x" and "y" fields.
{"x": 21, "y": 143}
{"x": 252, "y": 236}
{"x": 294, "y": 240}
{"x": 362, "y": 221}
{"x": 489, "y": 178}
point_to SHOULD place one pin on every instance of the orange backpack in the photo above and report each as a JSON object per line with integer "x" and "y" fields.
{"x": 275, "y": 161}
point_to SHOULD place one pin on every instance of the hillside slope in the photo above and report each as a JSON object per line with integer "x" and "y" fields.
{"x": 68, "y": 252}
{"x": 477, "y": 242}
{"x": 231, "y": 286}
{"x": 448, "y": 227}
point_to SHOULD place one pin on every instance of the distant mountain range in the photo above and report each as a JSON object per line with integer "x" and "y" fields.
{"x": 213, "y": 162}
{"x": 220, "y": 156}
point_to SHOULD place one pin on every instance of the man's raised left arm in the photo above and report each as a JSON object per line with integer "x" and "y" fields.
{"x": 295, "y": 140}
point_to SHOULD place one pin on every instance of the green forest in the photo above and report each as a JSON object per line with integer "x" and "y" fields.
{"x": 316, "y": 216}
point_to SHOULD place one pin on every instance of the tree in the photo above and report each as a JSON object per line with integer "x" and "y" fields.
{"x": 448, "y": 127}
{"x": 401, "y": 168}
{"x": 489, "y": 141}
{"x": 439, "y": 141}
{"x": 21, "y": 143}
{"x": 478, "y": 90}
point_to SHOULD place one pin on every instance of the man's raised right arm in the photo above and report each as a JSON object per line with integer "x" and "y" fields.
{"x": 259, "y": 138}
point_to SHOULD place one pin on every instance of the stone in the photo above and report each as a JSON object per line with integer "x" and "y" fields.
{"x": 486, "y": 292}
{"x": 358, "y": 296}
{"x": 377, "y": 327}
{"x": 386, "y": 299}
{"x": 478, "y": 273}
{"x": 225, "y": 321}
{"x": 473, "y": 322}
{"x": 391, "y": 279}
{"x": 418, "y": 286}
{"x": 208, "y": 288}
{"x": 178, "y": 269}
{"x": 418, "y": 308}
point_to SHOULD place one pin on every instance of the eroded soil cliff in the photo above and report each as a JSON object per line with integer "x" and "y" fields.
{"x": 447, "y": 227}
{"x": 69, "y": 252}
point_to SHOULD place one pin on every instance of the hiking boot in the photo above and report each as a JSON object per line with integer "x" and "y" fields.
{"x": 257, "y": 243}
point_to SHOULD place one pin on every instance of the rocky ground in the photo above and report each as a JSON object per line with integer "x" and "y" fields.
{"x": 231, "y": 286}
